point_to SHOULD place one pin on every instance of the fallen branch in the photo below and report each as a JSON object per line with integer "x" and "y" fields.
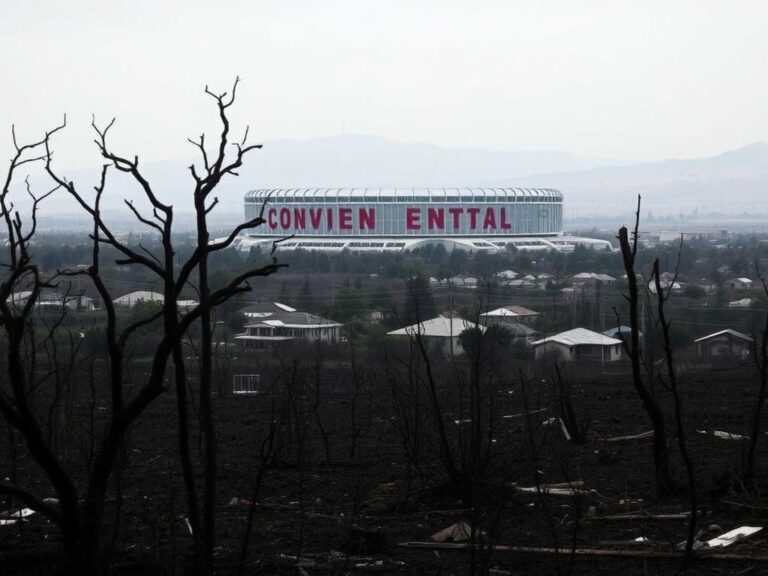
{"x": 584, "y": 551}
{"x": 563, "y": 489}
{"x": 675, "y": 516}
{"x": 743, "y": 505}
{"x": 646, "y": 434}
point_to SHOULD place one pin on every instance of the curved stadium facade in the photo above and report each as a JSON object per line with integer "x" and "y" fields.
{"x": 380, "y": 219}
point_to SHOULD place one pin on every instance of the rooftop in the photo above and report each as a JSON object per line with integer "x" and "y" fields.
{"x": 578, "y": 337}
{"x": 510, "y": 311}
{"x": 442, "y": 327}
{"x": 727, "y": 331}
{"x": 342, "y": 195}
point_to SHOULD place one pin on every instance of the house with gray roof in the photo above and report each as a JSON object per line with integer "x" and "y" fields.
{"x": 578, "y": 344}
{"x": 724, "y": 343}
{"x": 271, "y": 323}
{"x": 441, "y": 332}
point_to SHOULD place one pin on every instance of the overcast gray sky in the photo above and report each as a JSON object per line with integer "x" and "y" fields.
{"x": 636, "y": 80}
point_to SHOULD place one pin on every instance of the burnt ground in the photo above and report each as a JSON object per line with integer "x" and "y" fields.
{"x": 347, "y": 511}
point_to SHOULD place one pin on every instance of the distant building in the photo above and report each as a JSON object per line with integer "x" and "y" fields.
{"x": 578, "y": 344}
{"x": 667, "y": 286}
{"x": 510, "y": 314}
{"x": 265, "y": 309}
{"x": 592, "y": 278}
{"x": 519, "y": 333}
{"x": 724, "y": 343}
{"x": 522, "y": 283}
{"x": 133, "y": 299}
{"x": 674, "y": 235}
{"x": 463, "y": 282}
{"x": 743, "y": 303}
{"x": 441, "y": 333}
{"x": 270, "y": 323}
{"x": 186, "y": 305}
{"x": 397, "y": 219}
{"x": 506, "y": 275}
{"x": 621, "y": 332}
{"x": 52, "y": 300}
{"x": 739, "y": 284}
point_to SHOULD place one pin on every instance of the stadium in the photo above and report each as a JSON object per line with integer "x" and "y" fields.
{"x": 380, "y": 219}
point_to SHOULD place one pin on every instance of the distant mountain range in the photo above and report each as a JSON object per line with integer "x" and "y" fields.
{"x": 733, "y": 182}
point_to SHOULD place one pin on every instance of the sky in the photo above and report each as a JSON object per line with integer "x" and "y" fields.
{"x": 615, "y": 79}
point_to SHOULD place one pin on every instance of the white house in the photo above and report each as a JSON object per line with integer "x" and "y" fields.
{"x": 441, "y": 332}
{"x": 265, "y": 309}
{"x": 52, "y": 300}
{"x": 186, "y": 305}
{"x": 578, "y": 344}
{"x": 743, "y": 303}
{"x": 592, "y": 278}
{"x": 739, "y": 284}
{"x": 135, "y": 298}
{"x": 272, "y": 323}
{"x": 463, "y": 282}
{"x": 509, "y": 314}
{"x": 724, "y": 343}
{"x": 506, "y": 275}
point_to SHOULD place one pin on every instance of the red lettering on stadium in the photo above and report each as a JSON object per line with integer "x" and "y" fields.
{"x": 417, "y": 219}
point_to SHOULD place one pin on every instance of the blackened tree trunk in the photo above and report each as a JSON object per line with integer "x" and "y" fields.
{"x": 761, "y": 360}
{"x": 665, "y": 485}
{"x": 682, "y": 445}
{"x": 80, "y": 510}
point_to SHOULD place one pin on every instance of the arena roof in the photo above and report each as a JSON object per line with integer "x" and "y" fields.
{"x": 406, "y": 194}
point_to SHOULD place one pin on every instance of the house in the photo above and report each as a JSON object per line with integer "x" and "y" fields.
{"x": 724, "y": 343}
{"x": 508, "y": 315}
{"x": 52, "y": 300}
{"x": 186, "y": 305}
{"x": 578, "y": 344}
{"x": 133, "y": 299}
{"x": 739, "y": 284}
{"x": 265, "y": 309}
{"x": 80, "y": 303}
{"x": 463, "y": 282}
{"x": 519, "y": 333}
{"x": 621, "y": 332}
{"x": 20, "y": 298}
{"x": 667, "y": 286}
{"x": 264, "y": 328}
{"x": 440, "y": 333}
{"x": 506, "y": 275}
{"x": 591, "y": 278}
{"x": 523, "y": 284}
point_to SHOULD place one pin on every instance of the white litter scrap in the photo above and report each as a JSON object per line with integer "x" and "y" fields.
{"x": 9, "y": 518}
{"x": 733, "y": 536}
{"x": 563, "y": 489}
{"x": 724, "y": 435}
{"x": 728, "y": 435}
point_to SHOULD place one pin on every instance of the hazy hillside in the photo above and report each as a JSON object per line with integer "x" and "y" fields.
{"x": 733, "y": 182}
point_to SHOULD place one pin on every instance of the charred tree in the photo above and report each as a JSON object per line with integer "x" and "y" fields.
{"x": 665, "y": 324}
{"x": 665, "y": 484}
{"x": 761, "y": 360}
{"x": 79, "y": 513}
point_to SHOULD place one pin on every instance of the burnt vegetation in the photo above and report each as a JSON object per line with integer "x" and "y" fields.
{"x": 132, "y": 451}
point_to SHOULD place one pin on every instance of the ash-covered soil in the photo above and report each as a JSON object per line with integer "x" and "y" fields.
{"x": 341, "y": 498}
